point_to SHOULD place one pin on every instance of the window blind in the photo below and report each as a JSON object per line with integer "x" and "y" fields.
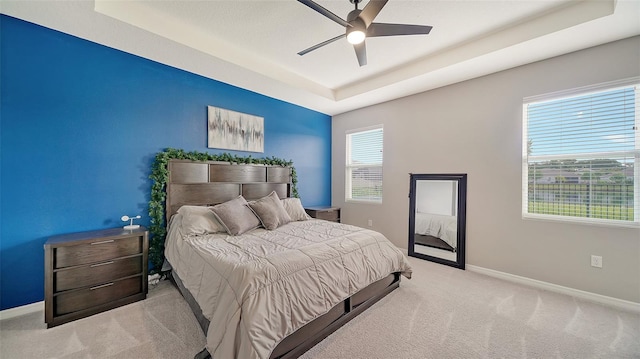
{"x": 364, "y": 164}
{"x": 580, "y": 157}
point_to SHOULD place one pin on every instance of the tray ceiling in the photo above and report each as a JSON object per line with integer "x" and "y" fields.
{"x": 254, "y": 44}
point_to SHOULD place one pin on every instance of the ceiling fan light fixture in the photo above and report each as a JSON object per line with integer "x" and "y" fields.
{"x": 355, "y": 36}
{"x": 357, "y": 31}
{"x": 360, "y": 25}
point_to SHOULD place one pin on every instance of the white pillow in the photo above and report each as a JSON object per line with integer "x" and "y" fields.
{"x": 294, "y": 208}
{"x": 199, "y": 220}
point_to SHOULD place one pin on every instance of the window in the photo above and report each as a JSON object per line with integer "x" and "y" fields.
{"x": 581, "y": 155}
{"x": 364, "y": 165}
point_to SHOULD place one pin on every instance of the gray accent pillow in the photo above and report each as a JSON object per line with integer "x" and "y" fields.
{"x": 270, "y": 211}
{"x": 235, "y": 216}
{"x": 294, "y": 208}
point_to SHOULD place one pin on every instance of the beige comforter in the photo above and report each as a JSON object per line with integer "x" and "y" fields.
{"x": 257, "y": 288}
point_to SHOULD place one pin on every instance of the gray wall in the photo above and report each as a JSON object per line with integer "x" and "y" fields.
{"x": 475, "y": 127}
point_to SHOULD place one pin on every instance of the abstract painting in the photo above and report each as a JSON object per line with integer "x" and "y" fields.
{"x": 232, "y": 130}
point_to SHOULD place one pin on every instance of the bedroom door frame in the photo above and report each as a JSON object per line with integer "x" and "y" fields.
{"x": 461, "y": 180}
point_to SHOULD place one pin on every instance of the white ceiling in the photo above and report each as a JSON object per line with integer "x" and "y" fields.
{"x": 253, "y": 44}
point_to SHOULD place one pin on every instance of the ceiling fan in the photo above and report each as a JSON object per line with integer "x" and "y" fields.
{"x": 359, "y": 25}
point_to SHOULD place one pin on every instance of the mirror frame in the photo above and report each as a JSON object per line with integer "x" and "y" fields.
{"x": 461, "y": 178}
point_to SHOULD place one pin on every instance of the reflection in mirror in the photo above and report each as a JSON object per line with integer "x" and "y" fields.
{"x": 437, "y": 209}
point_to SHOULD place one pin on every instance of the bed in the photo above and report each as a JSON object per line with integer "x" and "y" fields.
{"x": 439, "y": 226}
{"x": 267, "y": 291}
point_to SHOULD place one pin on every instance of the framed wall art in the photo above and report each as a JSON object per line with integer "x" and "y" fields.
{"x": 231, "y": 130}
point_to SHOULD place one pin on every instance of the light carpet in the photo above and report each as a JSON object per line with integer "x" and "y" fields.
{"x": 442, "y": 312}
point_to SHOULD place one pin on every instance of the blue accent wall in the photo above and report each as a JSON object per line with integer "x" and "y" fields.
{"x": 80, "y": 124}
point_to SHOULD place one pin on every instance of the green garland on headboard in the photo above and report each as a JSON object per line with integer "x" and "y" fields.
{"x": 159, "y": 175}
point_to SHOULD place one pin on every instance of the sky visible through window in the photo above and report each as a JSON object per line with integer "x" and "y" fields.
{"x": 600, "y": 122}
{"x": 366, "y": 148}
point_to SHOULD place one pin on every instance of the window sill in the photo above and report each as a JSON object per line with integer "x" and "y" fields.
{"x": 588, "y": 222}
{"x": 362, "y": 201}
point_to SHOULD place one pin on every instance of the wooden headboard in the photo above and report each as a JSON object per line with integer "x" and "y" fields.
{"x": 206, "y": 183}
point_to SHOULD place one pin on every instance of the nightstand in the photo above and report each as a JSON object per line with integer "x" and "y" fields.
{"x": 327, "y": 213}
{"x": 91, "y": 272}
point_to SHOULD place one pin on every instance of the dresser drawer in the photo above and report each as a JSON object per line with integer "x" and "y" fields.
{"x": 101, "y": 272}
{"x": 100, "y": 250}
{"x": 77, "y": 300}
{"x": 328, "y": 214}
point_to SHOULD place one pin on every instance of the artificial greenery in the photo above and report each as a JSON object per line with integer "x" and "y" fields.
{"x": 159, "y": 176}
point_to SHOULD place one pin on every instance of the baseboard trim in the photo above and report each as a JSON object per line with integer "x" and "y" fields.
{"x": 22, "y": 310}
{"x": 598, "y": 298}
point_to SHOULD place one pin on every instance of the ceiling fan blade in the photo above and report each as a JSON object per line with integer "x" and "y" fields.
{"x": 361, "y": 53}
{"x": 371, "y": 11}
{"x": 378, "y": 29}
{"x": 325, "y": 12}
{"x": 321, "y": 44}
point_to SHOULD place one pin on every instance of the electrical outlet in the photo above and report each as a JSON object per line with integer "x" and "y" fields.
{"x": 370, "y": 223}
{"x": 596, "y": 261}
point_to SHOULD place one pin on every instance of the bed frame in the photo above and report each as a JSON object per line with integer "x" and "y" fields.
{"x": 208, "y": 183}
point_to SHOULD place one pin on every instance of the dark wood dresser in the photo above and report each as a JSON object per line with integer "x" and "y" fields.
{"x": 92, "y": 272}
{"x": 326, "y": 213}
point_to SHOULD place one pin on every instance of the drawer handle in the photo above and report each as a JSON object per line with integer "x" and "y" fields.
{"x": 101, "y": 264}
{"x": 101, "y": 286}
{"x": 103, "y": 242}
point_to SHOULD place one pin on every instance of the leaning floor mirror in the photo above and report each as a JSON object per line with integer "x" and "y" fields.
{"x": 437, "y": 217}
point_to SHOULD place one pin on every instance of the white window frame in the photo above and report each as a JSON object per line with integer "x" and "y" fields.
{"x": 349, "y": 167}
{"x": 635, "y": 154}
